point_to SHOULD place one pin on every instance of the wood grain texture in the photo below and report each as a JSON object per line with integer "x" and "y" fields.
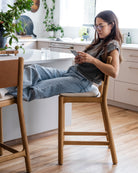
{"x": 85, "y": 159}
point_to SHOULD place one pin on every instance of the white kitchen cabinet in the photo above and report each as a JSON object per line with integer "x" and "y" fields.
{"x": 126, "y": 93}
{"x": 61, "y": 47}
{"x": 42, "y": 44}
{"x": 41, "y": 115}
{"x": 125, "y": 86}
{"x": 28, "y": 44}
{"x": 55, "y": 46}
{"x": 79, "y": 47}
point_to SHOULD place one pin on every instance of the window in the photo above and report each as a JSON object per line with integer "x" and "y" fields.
{"x": 76, "y": 12}
{"x": 3, "y": 4}
{"x": 126, "y": 11}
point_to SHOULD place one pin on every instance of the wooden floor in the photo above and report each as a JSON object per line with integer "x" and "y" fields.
{"x": 86, "y": 159}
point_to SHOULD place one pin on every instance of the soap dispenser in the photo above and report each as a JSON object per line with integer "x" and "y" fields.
{"x": 128, "y": 38}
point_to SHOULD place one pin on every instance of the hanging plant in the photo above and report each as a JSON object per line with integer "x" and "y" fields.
{"x": 49, "y": 18}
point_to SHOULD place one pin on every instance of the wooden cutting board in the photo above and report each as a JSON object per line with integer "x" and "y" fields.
{"x": 7, "y": 52}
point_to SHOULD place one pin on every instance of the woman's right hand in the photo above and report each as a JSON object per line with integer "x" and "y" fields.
{"x": 77, "y": 59}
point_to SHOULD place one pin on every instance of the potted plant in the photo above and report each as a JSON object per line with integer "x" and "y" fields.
{"x": 85, "y": 36}
{"x": 59, "y": 31}
{"x": 8, "y": 20}
{"x": 51, "y": 28}
{"x": 49, "y": 20}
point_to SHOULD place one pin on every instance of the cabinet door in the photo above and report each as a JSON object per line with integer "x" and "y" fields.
{"x": 128, "y": 72}
{"x": 79, "y": 47}
{"x": 130, "y": 55}
{"x": 129, "y": 67}
{"x": 126, "y": 93}
{"x": 42, "y": 44}
{"x": 61, "y": 47}
{"x": 28, "y": 44}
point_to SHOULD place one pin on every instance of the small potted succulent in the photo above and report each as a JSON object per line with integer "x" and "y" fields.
{"x": 8, "y": 21}
{"x": 85, "y": 36}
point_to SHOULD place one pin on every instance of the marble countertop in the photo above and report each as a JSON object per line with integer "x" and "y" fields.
{"x": 65, "y": 40}
{"x": 32, "y": 56}
{"x": 130, "y": 46}
{"x": 76, "y": 42}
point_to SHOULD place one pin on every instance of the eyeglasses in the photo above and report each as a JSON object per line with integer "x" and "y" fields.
{"x": 99, "y": 27}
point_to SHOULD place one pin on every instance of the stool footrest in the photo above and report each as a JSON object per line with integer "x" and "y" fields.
{"x": 86, "y": 143}
{"x": 12, "y": 150}
{"x": 12, "y": 156}
{"x": 86, "y": 133}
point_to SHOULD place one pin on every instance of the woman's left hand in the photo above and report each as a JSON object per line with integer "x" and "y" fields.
{"x": 85, "y": 58}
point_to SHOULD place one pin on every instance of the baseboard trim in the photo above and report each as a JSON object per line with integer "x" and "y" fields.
{"x": 32, "y": 137}
{"x": 123, "y": 105}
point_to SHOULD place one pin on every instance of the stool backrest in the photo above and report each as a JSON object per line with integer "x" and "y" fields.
{"x": 11, "y": 74}
{"x": 103, "y": 88}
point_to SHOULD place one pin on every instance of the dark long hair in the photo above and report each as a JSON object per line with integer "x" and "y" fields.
{"x": 109, "y": 17}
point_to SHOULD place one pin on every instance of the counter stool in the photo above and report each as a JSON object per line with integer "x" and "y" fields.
{"x": 11, "y": 75}
{"x": 86, "y": 98}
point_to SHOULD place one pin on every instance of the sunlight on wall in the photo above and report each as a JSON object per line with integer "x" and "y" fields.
{"x": 76, "y": 12}
{"x": 126, "y": 11}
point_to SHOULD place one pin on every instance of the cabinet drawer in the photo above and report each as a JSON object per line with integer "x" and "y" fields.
{"x": 79, "y": 47}
{"x": 42, "y": 44}
{"x": 128, "y": 72}
{"x": 61, "y": 45}
{"x": 56, "y": 49}
{"x": 28, "y": 44}
{"x": 130, "y": 55}
{"x": 126, "y": 93}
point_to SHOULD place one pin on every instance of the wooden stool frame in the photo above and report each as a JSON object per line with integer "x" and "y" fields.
{"x": 11, "y": 74}
{"x": 66, "y": 98}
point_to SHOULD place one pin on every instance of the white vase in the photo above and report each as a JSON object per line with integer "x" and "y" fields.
{"x": 58, "y": 34}
{"x": 51, "y": 33}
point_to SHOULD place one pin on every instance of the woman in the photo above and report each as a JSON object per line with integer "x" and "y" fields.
{"x": 90, "y": 65}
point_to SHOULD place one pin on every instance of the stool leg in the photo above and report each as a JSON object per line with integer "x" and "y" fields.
{"x": 60, "y": 130}
{"x": 105, "y": 125}
{"x": 24, "y": 138}
{"x": 1, "y": 131}
{"x": 109, "y": 131}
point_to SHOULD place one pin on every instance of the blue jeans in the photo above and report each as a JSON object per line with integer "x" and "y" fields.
{"x": 42, "y": 82}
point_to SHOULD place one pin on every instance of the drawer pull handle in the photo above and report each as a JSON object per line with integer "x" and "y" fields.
{"x": 133, "y": 68}
{"x": 132, "y": 90}
{"x": 71, "y": 47}
{"x": 133, "y": 56}
{"x": 61, "y": 47}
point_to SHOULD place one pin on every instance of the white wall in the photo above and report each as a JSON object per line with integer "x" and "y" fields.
{"x": 72, "y": 32}
{"x": 39, "y": 28}
{"x": 38, "y": 18}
